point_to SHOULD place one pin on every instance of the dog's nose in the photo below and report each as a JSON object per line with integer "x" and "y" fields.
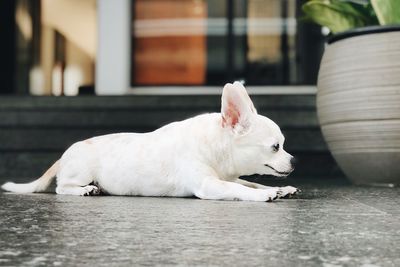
{"x": 293, "y": 162}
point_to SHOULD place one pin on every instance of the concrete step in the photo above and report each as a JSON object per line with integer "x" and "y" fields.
{"x": 34, "y": 131}
{"x": 59, "y": 139}
{"x": 24, "y": 166}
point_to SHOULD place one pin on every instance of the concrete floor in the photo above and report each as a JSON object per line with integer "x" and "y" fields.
{"x": 324, "y": 226}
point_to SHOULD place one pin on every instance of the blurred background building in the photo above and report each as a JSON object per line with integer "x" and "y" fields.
{"x": 162, "y": 60}
{"x": 70, "y": 47}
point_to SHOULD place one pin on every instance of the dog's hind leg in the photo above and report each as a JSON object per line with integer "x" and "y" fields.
{"x": 76, "y": 180}
{"x": 89, "y": 190}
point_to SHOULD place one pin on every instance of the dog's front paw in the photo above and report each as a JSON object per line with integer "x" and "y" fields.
{"x": 288, "y": 191}
{"x": 272, "y": 194}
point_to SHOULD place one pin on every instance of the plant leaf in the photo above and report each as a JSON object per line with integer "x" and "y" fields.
{"x": 368, "y": 12}
{"x": 360, "y": 2}
{"x": 336, "y": 15}
{"x": 387, "y": 11}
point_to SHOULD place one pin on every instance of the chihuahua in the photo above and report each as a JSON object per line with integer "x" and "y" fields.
{"x": 203, "y": 156}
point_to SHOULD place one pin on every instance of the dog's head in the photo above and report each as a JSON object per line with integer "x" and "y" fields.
{"x": 257, "y": 141}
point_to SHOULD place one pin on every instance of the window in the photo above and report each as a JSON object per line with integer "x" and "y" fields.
{"x": 64, "y": 47}
{"x": 205, "y": 42}
{"x": 49, "y": 47}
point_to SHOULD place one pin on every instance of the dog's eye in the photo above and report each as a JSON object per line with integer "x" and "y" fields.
{"x": 275, "y": 147}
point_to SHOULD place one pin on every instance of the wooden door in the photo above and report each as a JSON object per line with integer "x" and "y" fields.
{"x": 169, "y": 42}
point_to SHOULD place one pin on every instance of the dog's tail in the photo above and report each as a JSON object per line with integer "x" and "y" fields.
{"x": 38, "y": 185}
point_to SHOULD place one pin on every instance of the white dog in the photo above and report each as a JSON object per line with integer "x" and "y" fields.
{"x": 201, "y": 156}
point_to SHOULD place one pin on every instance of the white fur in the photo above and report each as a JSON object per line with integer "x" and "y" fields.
{"x": 201, "y": 156}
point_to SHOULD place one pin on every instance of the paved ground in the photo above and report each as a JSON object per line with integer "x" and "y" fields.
{"x": 325, "y": 226}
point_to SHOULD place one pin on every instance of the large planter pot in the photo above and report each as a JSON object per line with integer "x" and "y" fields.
{"x": 358, "y": 103}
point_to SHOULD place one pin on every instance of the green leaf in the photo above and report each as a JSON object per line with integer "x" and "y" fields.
{"x": 368, "y": 12}
{"x": 387, "y": 11}
{"x": 348, "y": 8}
{"x": 338, "y": 16}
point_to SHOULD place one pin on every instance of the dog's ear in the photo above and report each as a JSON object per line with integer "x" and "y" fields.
{"x": 235, "y": 108}
{"x": 245, "y": 95}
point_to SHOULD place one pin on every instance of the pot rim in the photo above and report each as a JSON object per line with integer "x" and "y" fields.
{"x": 362, "y": 31}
